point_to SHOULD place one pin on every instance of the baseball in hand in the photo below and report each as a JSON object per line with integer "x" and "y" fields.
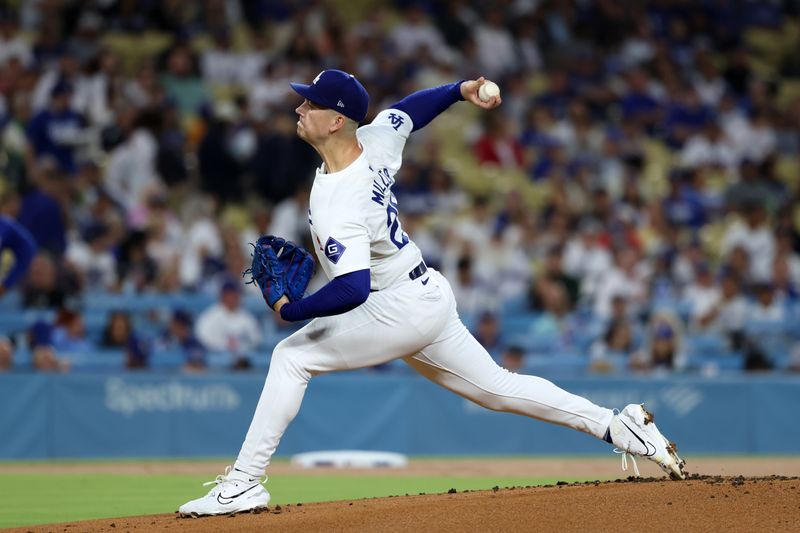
{"x": 488, "y": 90}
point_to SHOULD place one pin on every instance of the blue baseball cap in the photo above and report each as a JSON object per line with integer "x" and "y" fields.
{"x": 336, "y": 90}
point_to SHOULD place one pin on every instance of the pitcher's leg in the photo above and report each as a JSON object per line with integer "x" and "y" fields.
{"x": 459, "y": 363}
{"x": 279, "y": 403}
{"x": 366, "y": 336}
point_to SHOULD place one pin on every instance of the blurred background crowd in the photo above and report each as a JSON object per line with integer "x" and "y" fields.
{"x": 631, "y": 207}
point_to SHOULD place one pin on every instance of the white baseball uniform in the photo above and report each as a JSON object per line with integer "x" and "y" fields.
{"x": 410, "y": 314}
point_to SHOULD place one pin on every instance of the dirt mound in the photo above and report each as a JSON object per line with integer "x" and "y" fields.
{"x": 702, "y": 503}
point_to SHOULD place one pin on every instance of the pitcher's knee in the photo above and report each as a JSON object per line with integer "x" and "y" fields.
{"x": 495, "y": 402}
{"x": 290, "y": 360}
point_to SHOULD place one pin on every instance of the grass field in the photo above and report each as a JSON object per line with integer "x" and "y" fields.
{"x": 68, "y": 497}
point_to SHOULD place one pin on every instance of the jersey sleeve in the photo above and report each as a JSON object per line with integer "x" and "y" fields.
{"x": 344, "y": 245}
{"x": 385, "y": 137}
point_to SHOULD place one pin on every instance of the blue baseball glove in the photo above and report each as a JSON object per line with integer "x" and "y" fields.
{"x": 296, "y": 264}
{"x": 298, "y": 268}
{"x": 267, "y": 272}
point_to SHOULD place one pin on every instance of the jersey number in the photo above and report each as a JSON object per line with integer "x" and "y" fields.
{"x": 396, "y": 233}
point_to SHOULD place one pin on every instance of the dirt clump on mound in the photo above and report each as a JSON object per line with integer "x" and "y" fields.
{"x": 701, "y": 503}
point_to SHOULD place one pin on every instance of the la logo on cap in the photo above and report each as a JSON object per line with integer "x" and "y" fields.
{"x": 340, "y": 104}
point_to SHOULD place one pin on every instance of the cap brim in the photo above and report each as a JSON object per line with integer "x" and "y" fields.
{"x": 304, "y": 90}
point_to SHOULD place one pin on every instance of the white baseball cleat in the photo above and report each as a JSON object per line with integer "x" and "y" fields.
{"x": 634, "y": 432}
{"x": 234, "y": 492}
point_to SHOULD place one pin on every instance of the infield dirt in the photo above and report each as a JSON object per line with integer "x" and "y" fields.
{"x": 704, "y": 503}
{"x": 721, "y": 500}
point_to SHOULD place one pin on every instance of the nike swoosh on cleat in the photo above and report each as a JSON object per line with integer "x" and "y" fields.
{"x": 645, "y": 444}
{"x": 231, "y": 498}
{"x": 425, "y": 281}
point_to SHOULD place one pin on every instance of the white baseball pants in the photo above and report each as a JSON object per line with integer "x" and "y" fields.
{"x": 417, "y": 322}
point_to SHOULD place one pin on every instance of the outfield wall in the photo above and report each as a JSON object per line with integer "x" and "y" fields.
{"x": 130, "y": 415}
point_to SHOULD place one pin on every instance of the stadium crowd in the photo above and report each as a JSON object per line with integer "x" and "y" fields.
{"x": 631, "y": 207}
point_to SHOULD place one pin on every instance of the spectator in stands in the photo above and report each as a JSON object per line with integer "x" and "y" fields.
{"x": 498, "y": 146}
{"x": 628, "y": 278}
{"x": 131, "y": 176}
{"x": 487, "y": 332}
{"x": 15, "y": 239}
{"x": 12, "y": 42}
{"x": 473, "y": 229}
{"x": 685, "y": 116}
{"x": 117, "y": 331}
{"x": 202, "y": 251}
{"x": 504, "y": 266}
{"x": 85, "y": 43}
{"x": 766, "y": 308}
{"x": 220, "y": 171}
{"x": 92, "y": 259}
{"x": 181, "y": 335}
{"x": 709, "y": 149}
{"x": 639, "y": 106}
{"x": 44, "y": 358}
{"x": 471, "y": 293}
{"x": 787, "y": 244}
{"x": 556, "y": 326}
{"x": 683, "y": 206}
{"x": 182, "y": 81}
{"x": 47, "y": 285}
{"x": 137, "y": 352}
{"x": 227, "y": 327}
{"x": 56, "y": 131}
{"x": 553, "y": 270}
{"x": 69, "y": 333}
{"x": 415, "y": 33}
{"x": 785, "y": 288}
{"x": 219, "y": 63}
{"x": 42, "y": 212}
{"x": 513, "y": 359}
{"x": 738, "y": 263}
{"x": 136, "y": 269}
{"x": 617, "y": 342}
{"x": 6, "y": 354}
{"x": 727, "y": 316}
{"x": 496, "y": 51}
{"x": 288, "y": 216}
{"x": 586, "y": 258}
{"x": 664, "y": 348}
{"x": 702, "y": 295}
{"x": 749, "y": 191}
{"x": 753, "y": 234}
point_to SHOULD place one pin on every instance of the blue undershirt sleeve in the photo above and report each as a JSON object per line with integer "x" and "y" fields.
{"x": 16, "y": 238}
{"x": 342, "y": 294}
{"x": 424, "y": 106}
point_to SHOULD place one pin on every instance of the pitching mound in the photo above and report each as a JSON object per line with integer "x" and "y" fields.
{"x": 702, "y": 503}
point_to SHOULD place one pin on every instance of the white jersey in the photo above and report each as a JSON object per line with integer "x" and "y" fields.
{"x": 353, "y": 213}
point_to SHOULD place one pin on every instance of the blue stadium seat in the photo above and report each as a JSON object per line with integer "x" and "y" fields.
{"x": 517, "y": 324}
{"x": 706, "y": 345}
{"x": 562, "y": 365}
{"x": 98, "y": 360}
{"x": 166, "y": 360}
{"x": 11, "y": 301}
{"x": 514, "y": 306}
{"x": 721, "y": 363}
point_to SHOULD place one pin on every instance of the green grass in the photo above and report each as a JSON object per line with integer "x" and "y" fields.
{"x": 50, "y": 498}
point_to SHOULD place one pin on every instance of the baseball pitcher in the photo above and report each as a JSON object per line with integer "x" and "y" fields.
{"x": 382, "y": 301}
